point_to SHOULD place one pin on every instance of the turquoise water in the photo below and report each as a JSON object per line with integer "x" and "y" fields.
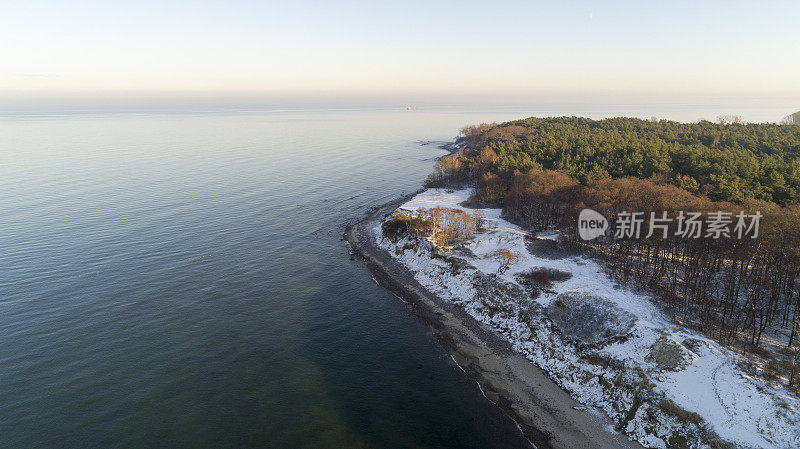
{"x": 179, "y": 280}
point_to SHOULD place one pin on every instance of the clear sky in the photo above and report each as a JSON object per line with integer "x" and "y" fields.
{"x": 484, "y": 48}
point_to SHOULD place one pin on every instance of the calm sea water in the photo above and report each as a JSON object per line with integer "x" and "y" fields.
{"x": 179, "y": 280}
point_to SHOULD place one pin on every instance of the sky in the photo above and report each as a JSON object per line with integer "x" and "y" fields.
{"x": 307, "y": 49}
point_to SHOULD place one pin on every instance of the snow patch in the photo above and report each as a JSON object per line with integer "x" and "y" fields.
{"x": 654, "y": 401}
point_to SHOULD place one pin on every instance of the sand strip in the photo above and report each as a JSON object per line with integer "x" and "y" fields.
{"x": 542, "y": 409}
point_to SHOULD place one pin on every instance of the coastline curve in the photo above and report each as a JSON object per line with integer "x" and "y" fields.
{"x": 546, "y": 414}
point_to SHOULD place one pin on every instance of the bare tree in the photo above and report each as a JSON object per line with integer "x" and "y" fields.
{"x": 791, "y": 119}
{"x": 476, "y": 130}
{"x": 448, "y": 169}
{"x": 729, "y": 119}
{"x": 478, "y": 216}
{"x": 505, "y": 257}
{"x": 795, "y": 363}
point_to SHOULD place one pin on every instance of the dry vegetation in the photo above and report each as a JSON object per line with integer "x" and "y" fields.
{"x": 505, "y": 257}
{"x": 444, "y": 227}
{"x": 743, "y": 292}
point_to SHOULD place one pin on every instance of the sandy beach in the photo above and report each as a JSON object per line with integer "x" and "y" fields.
{"x": 545, "y": 413}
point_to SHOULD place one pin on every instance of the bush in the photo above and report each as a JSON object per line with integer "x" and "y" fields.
{"x": 542, "y": 278}
{"x": 394, "y": 230}
{"x": 400, "y": 224}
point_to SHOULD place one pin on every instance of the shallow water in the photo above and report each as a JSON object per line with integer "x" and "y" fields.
{"x": 179, "y": 280}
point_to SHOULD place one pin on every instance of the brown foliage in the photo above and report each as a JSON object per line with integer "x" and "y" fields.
{"x": 487, "y": 157}
{"x": 472, "y": 131}
{"x": 448, "y": 169}
{"x": 419, "y": 225}
{"x": 491, "y": 188}
{"x": 734, "y": 289}
{"x": 505, "y": 257}
{"x": 443, "y": 226}
{"x": 536, "y": 198}
{"x": 511, "y": 130}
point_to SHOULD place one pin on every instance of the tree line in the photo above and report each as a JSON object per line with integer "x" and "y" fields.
{"x": 543, "y": 172}
{"x": 726, "y": 161}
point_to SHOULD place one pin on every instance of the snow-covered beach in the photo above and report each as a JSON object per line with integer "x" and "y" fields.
{"x": 546, "y": 414}
{"x": 662, "y": 384}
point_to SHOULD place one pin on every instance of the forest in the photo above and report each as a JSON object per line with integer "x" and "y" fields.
{"x": 726, "y": 161}
{"x": 744, "y": 292}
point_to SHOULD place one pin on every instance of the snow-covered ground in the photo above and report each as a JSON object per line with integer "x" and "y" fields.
{"x": 623, "y": 378}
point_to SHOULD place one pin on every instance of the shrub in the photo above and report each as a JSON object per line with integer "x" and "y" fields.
{"x": 401, "y": 223}
{"x": 542, "y": 277}
{"x": 505, "y": 257}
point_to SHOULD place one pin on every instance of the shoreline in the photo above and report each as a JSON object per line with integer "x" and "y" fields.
{"x": 544, "y": 412}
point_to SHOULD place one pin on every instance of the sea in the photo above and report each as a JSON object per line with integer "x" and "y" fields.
{"x": 178, "y": 279}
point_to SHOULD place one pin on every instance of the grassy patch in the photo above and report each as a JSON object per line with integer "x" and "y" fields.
{"x": 497, "y": 296}
{"x": 598, "y": 360}
{"x": 668, "y": 355}
{"x": 670, "y": 408}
